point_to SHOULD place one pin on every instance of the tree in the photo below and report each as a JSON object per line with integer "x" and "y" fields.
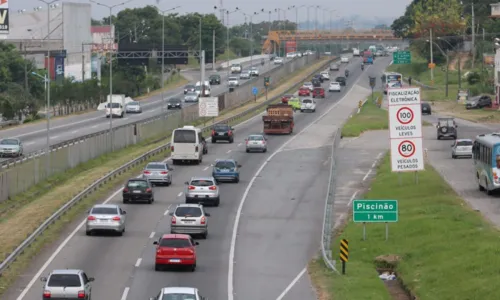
{"x": 442, "y": 17}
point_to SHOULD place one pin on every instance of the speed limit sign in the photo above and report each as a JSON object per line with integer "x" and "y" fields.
{"x": 405, "y": 115}
{"x": 407, "y": 155}
{"x": 406, "y": 148}
{"x": 405, "y": 121}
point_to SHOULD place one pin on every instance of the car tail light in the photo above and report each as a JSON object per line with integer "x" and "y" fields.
{"x": 247, "y": 142}
{"x": 203, "y": 220}
{"x": 163, "y": 172}
{"x": 191, "y": 187}
{"x": 196, "y": 149}
{"x": 116, "y": 219}
{"x": 147, "y": 172}
{"x": 81, "y": 294}
{"x": 125, "y": 190}
{"x": 148, "y": 190}
{"x": 174, "y": 220}
{"x": 213, "y": 132}
{"x": 230, "y": 132}
{"x": 91, "y": 218}
{"x": 172, "y": 148}
{"x": 212, "y": 188}
{"x": 46, "y": 294}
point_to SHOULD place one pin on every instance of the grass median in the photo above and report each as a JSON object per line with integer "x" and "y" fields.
{"x": 441, "y": 248}
{"x": 370, "y": 117}
{"x": 25, "y": 212}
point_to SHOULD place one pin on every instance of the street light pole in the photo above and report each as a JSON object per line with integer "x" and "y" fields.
{"x": 458, "y": 63}
{"x": 227, "y": 36}
{"x": 110, "y": 7}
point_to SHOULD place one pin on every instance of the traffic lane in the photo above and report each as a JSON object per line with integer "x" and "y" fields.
{"x": 280, "y": 227}
{"x": 140, "y": 217}
{"x": 460, "y": 173}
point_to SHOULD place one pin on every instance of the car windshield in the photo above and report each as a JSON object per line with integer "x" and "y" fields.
{"x": 192, "y": 94}
{"x": 464, "y": 143}
{"x": 235, "y": 65}
{"x": 201, "y": 182}
{"x": 198, "y": 88}
{"x": 64, "y": 280}
{"x": 178, "y": 296}
{"x": 287, "y": 96}
{"x": 133, "y": 103}
{"x": 318, "y": 90}
{"x": 214, "y": 77}
{"x": 137, "y": 184}
{"x": 446, "y": 123}
{"x": 184, "y": 136}
{"x": 189, "y": 87}
{"x": 255, "y": 138}
{"x": 221, "y": 127}
{"x": 233, "y": 79}
{"x": 174, "y": 100}
{"x": 334, "y": 83}
{"x": 304, "y": 88}
{"x": 9, "y": 142}
{"x": 307, "y": 101}
{"x": 104, "y": 211}
{"x": 224, "y": 165}
{"x": 324, "y": 73}
{"x": 307, "y": 83}
{"x": 175, "y": 243}
{"x": 340, "y": 79}
{"x": 156, "y": 167}
{"x": 188, "y": 212}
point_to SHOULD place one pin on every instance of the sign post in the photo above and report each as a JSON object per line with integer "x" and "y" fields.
{"x": 375, "y": 211}
{"x": 255, "y": 91}
{"x": 372, "y": 84}
{"x": 344, "y": 253}
{"x": 267, "y": 82}
{"x": 405, "y": 128}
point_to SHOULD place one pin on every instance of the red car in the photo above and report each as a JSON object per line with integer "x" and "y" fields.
{"x": 303, "y": 91}
{"x": 285, "y": 98}
{"x": 319, "y": 93}
{"x": 175, "y": 250}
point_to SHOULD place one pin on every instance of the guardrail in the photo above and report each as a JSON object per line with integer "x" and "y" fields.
{"x": 127, "y": 166}
{"x": 8, "y": 123}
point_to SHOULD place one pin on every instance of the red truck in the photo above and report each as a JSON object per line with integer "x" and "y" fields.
{"x": 279, "y": 119}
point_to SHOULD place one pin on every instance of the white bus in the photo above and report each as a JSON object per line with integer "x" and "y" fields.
{"x": 187, "y": 145}
{"x": 390, "y": 77}
{"x": 486, "y": 155}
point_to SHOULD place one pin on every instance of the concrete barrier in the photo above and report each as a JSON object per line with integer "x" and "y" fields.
{"x": 242, "y": 60}
{"x": 20, "y": 176}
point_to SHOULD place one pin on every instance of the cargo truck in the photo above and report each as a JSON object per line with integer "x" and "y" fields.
{"x": 279, "y": 119}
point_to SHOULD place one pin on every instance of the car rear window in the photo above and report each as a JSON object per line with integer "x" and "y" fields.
{"x": 175, "y": 243}
{"x": 133, "y": 103}
{"x": 307, "y": 101}
{"x": 177, "y": 296}
{"x": 464, "y": 143}
{"x": 188, "y": 212}
{"x": 233, "y": 79}
{"x": 255, "y": 138}
{"x": 184, "y": 136}
{"x": 156, "y": 167}
{"x": 104, "y": 211}
{"x": 174, "y": 100}
{"x": 202, "y": 182}
{"x": 224, "y": 165}
{"x": 137, "y": 184}
{"x": 221, "y": 127}
{"x": 64, "y": 280}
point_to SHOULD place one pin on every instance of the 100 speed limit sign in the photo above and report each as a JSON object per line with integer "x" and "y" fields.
{"x": 405, "y": 115}
{"x": 405, "y": 121}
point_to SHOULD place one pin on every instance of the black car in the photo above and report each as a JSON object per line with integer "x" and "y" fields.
{"x": 319, "y": 77}
{"x": 138, "y": 189}
{"x": 189, "y": 88}
{"x": 174, "y": 103}
{"x": 214, "y": 79}
{"x": 446, "y": 128}
{"x": 479, "y": 102}
{"x": 222, "y": 132}
{"x": 426, "y": 108}
{"x": 316, "y": 82}
{"x": 341, "y": 80}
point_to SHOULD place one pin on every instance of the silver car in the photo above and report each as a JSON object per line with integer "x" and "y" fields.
{"x": 245, "y": 75}
{"x": 67, "y": 284}
{"x": 158, "y": 173}
{"x": 254, "y": 71}
{"x": 106, "y": 217}
{"x": 133, "y": 107}
{"x": 179, "y": 293}
{"x": 191, "y": 97}
{"x": 202, "y": 190}
{"x": 308, "y": 85}
{"x": 11, "y": 147}
{"x": 256, "y": 142}
{"x": 461, "y": 148}
{"x": 189, "y": 219}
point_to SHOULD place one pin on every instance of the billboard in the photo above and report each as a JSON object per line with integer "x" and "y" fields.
{"x": 290, "y": 46}
{"x": 59, "y": 69}
{"x": 4, "y": 17}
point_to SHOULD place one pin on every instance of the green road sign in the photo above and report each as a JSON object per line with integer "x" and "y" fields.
{"x": 401, "y": 57}
{"x": 375, "y": 211}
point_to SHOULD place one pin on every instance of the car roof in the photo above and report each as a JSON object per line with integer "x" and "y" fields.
{"x": 463, "y": 140}
{"x": 174, "y": 99}
{"x": 105, "y": 206}
{"x": 256, "y": 134}
{"x": 138, "y": 179}
{"x": 189, "y": 205}
{"x": 179, "y": 290}
{"x": 175, "y": 236}
{"x": 202, "y": 178}
{"x": 225, "y": 159}
{"x": 66, "y": 271}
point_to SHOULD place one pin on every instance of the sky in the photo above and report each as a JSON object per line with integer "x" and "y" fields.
{"x": 385, "y": 9}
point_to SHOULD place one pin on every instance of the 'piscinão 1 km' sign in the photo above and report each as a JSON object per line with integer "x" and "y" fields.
{"x": 375, "y": 211}
{"x": 405, "y": 128}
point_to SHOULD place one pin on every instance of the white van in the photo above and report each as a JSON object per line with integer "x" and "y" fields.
{"x": 207, "y": 89}
{"x": 187, "y": 145}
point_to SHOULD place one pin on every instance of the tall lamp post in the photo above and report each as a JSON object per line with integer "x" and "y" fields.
{"x": 458, "y": 66}
{"x": 447, "y": 63}
{"x": 309, "y": 17}
{"x": 278, "y": 10}
{"x": 163, "y": 54}
{"x": 250, "y": 16}
{"x": 296, "y": 20}
{"x": 47, "y": 114}
{"x": 110, "y": 7}
{"x": 227, "y": 36}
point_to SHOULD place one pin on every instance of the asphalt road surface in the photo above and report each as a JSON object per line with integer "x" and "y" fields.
{"x": 34, "y": 137}
{"x": 124, "y": 266}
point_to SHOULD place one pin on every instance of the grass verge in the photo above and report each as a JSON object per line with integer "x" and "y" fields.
{"x": 21, "y": 215}
{"x": 457, "y": 110}
{"x": 371, "y": 117}
{"x": 434, "y": 239}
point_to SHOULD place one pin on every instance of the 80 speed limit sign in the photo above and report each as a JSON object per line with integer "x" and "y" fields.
{"x": 407, "y": 155}
{"x": 406, "y": 148}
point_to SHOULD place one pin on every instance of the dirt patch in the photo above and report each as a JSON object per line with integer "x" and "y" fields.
{"x": 464, "y": 58}
{"x": 386, "y": 265}
{"x": 454, "y": 109}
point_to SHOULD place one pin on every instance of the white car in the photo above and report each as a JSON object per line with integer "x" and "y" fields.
{"x": 236, "y": 68}
{"x": 254, "y": 71}
{"x": 291, "y": 55}
{"x": 461, "y": 148}
{"x": 325, "y": 75}
{"x": 278, "y": 60}
{"x": 308, "y": 85}
{"x": 344, "y": 59}
{"x": 308, "y": 105}
{"x": 233, "y": 81}
{"x": 115, "y": 111}
{"x": 179, "y": 293}
{"x": 245, "y": 75}
{"x": 334, "y": 87}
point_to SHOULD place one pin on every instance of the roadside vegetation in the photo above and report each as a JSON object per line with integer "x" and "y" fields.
{"x": 25, "y": 212}
{"x": 371, "y": 117}
{"x": 440, "y": 248}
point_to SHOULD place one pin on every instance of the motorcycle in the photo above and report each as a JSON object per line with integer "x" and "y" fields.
{"x": 346, "y": 73}
{"x": 262, "y": 62}
{"x": 362, "y": 67}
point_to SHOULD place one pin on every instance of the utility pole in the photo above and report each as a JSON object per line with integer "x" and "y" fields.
{"x": 213, "y": 50}
{"x": 432, "y": 56}
{"x": 473, "y": 35}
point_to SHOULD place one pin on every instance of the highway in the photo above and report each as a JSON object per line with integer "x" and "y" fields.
{"x": 279, "y": 222}
{"x": 34, "y": 136}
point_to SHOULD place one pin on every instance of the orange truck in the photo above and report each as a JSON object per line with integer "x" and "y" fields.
{"x": 279, "y": 119}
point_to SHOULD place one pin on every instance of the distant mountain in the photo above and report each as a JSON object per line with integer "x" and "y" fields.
{"x": 355, "y": 21}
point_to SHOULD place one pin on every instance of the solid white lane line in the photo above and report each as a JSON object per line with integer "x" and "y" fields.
{"x": 367, "y": 174}
{"x": 54, "y": 127}
{"x": 54, "y": 137}
{"x": 206, "y": 168}
{"x": 125, "y": 293}
{"x": 380, "y": 155}
{"x": 290, "y": 286}
{"x": 374, "y": 164}
{"x": 74, "y": 131}
{"x": 152, "y": 235}
{"x": 138, "y": 262}
{"x": 240, "y": 144}
{"x": 229, "y": 151}
{"x": 166, "y": 212}
{"x": 180, "y": 194}
{"x": 230, "y": 273}
{"x": 29, "y": 143}
{"x": 352, "y": 198}
{"x": 95, "y": 126}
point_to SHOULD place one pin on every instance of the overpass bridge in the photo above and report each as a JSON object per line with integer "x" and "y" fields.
{"x": 278, "y": 39}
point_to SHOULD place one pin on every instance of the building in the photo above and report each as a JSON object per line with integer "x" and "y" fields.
{"x": 69, "y": 42}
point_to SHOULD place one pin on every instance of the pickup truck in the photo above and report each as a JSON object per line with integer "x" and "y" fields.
{"x": 279, "y": 119}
